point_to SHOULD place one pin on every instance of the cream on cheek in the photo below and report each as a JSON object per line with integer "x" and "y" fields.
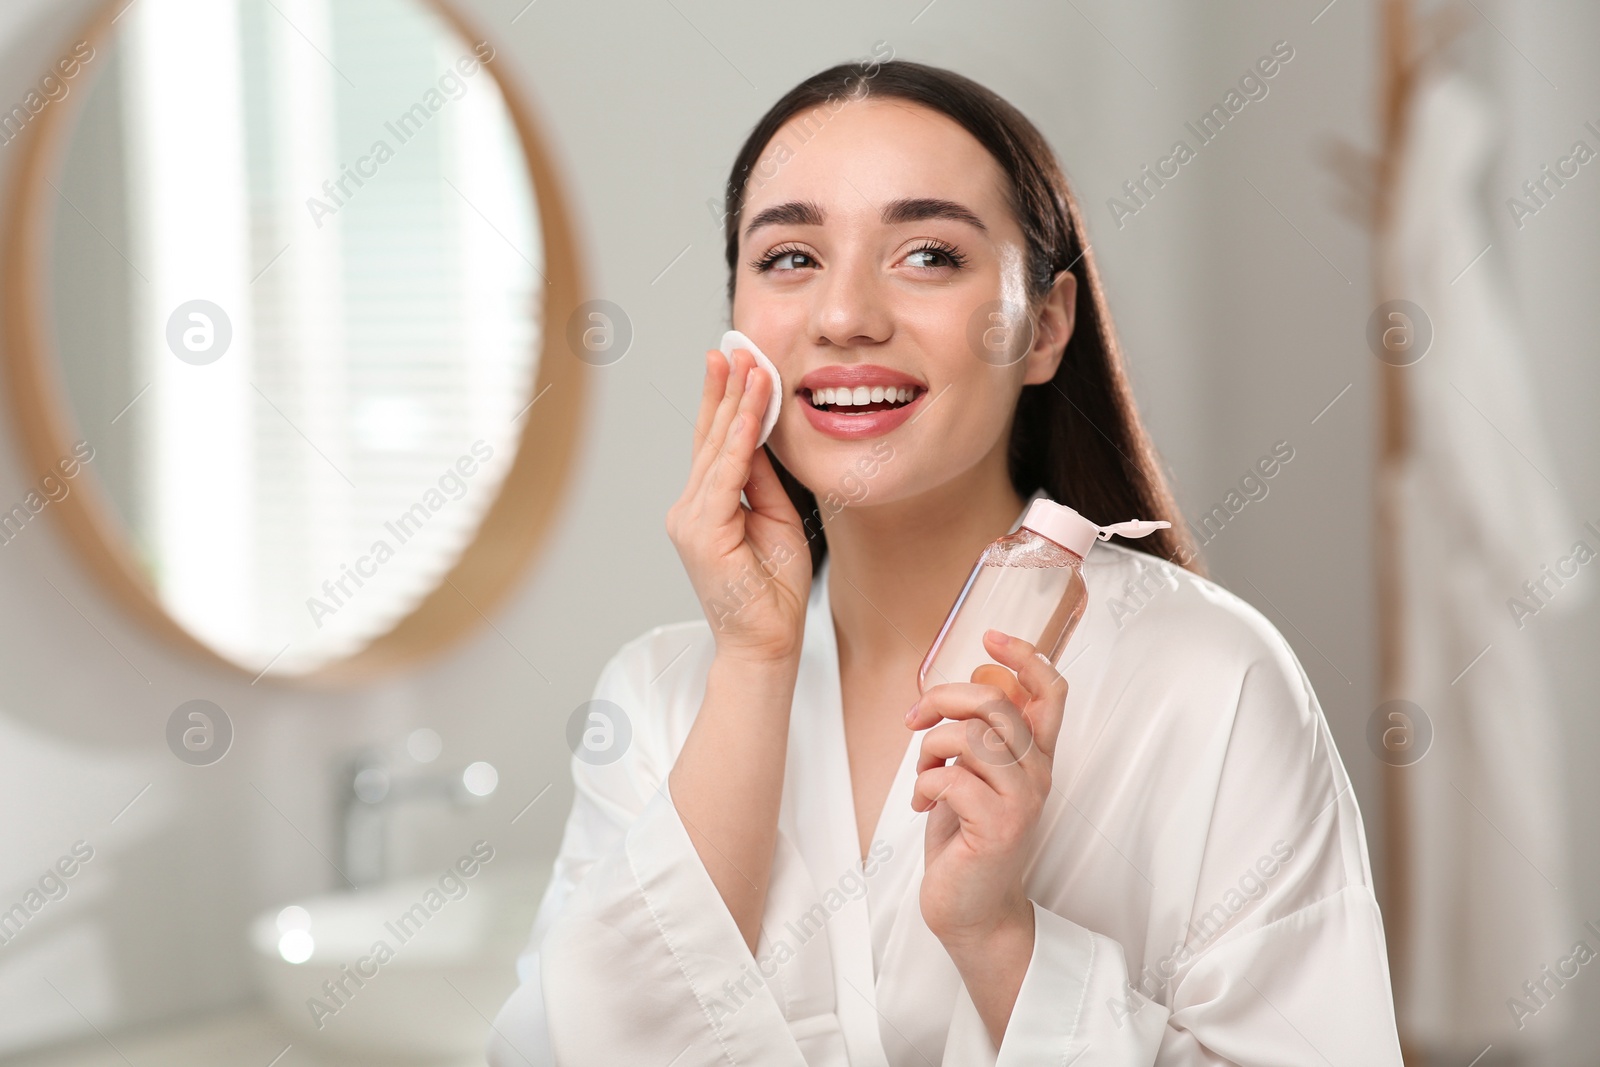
{"x": 984, "y": 383}
{"x": 1014, "y": 305}
{"x": 1011, "y": 276}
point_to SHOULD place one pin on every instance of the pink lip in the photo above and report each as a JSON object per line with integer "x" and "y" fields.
{"x": 850, "y": 376}
{"x": 856, "y": 427}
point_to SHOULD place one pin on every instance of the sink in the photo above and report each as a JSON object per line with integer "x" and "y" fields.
{"x": 413, "y": 969}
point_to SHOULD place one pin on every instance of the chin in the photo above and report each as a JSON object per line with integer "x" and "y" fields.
{"x": 849, "y": 474}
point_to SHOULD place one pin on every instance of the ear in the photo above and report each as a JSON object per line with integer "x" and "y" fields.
{"x": 1053, "y": 328}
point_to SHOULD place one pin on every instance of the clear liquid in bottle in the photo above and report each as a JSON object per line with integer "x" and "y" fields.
{"x": 1024, "y": 585}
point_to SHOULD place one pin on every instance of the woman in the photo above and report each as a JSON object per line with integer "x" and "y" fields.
{"x": 773, "y": 861}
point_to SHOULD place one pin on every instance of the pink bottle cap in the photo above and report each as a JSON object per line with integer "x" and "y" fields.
{"x": 1077, "y": 534}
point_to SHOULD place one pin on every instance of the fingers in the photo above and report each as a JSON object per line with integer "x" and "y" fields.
{"x": 1045, "y": 685}
{"x": 721, "y": 418}
{"x": 765, "y": 492}
{"x": 719, "y": 401}
{"x": 993, "y": 733}
{"x": 729, "y": 471}
{"x": 983, "y": 749}
{"x": 957, "y": 700}
{"x": 717, "y": 371}
{"x": 966, "y": 794}
{"x": 1002, "y": 679}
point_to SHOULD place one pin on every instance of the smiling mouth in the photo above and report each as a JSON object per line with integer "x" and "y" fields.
{"x": 861, "y": 400}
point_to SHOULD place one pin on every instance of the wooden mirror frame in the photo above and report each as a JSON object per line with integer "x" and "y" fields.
{"x": 514, "y": 528}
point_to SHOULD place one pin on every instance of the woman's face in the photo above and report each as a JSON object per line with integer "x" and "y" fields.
{"x": 876, "y": 247}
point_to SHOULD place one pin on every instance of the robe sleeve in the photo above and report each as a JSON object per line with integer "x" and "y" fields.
{"x": 1282, "y": 963}
{"x": 632, "y": 943}
{"x": 1078, "y": 998}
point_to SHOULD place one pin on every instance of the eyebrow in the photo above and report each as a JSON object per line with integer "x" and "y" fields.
{"x": 906, "y": 209}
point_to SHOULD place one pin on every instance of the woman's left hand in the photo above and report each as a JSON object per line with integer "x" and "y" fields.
{"x": 985, "y": 805}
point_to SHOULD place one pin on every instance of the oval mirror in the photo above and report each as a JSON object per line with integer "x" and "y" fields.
{"x": 279, "y": 302}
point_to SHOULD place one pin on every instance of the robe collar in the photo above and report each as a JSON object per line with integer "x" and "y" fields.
{"x": 823, "y": 829}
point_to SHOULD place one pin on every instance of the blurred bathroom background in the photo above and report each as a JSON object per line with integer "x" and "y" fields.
{"x": 238, "y": 742}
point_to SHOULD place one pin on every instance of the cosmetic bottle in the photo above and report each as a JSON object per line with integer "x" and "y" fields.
{"x": 1028, "y": 584}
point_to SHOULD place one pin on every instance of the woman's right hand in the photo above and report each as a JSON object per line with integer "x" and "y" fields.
{"x": 750, "y": 566}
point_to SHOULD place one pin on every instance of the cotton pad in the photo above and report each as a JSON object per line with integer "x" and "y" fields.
{"x": 734, "y": 339}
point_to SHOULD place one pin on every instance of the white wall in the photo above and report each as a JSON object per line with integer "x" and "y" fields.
{"x": 1238, "y": 330}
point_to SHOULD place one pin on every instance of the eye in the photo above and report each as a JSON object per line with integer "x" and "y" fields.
{"x": 766, "y": 262}
{"x": 934, "y": 251}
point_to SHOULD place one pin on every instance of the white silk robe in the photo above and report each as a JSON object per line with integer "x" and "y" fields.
{"x": 1200, "y": 884}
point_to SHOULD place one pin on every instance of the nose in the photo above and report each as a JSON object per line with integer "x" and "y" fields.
{"x": 848, "y": 306}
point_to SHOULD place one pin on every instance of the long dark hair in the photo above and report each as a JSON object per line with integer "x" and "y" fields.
{"x": 1077, "y": 436}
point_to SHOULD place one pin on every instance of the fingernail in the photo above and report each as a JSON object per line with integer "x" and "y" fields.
{"x": 912, "y": 714}
{"x": 738, "y": 422}
{"x": 1000, "y": 637}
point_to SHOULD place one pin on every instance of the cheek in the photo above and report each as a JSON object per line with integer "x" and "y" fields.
{"x": 757, "y": 313}
{"x": 972, "y": 415}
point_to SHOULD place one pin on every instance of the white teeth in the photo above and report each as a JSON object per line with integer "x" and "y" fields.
{"x": 861, "y": 395}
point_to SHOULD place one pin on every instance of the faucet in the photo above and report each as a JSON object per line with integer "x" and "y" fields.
{"x": 369, "y": 791}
